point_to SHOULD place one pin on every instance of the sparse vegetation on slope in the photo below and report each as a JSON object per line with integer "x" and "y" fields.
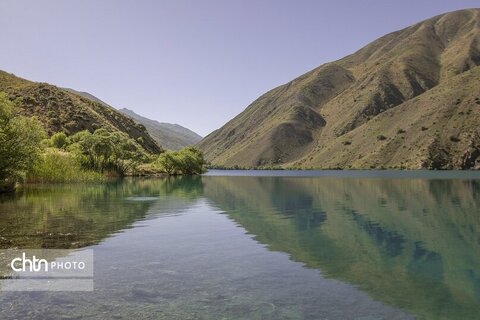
{"x": 62, "y": 111}
{"x": 170, "y": 136}
{"x": 395, "y": 103}
{"x": 109, "y": 144}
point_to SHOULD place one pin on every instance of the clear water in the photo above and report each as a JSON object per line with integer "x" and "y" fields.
{"x": 258, "y": 245}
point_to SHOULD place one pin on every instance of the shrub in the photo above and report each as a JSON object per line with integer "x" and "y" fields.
{"x": 59, "y": 140}
{"x": 107, "y": 151}
{"x": 381, "y": 137}
{"x": 454, "y": 139}
{"x": 20, "y": 147}
{"x": 56, "y": 166}
{"x": 187, "y": 161}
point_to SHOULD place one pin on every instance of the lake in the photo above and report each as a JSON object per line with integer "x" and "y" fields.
{"x": 258, "y": 245}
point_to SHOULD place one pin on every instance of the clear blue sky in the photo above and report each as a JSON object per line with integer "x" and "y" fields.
{"x": 197, "y": 63}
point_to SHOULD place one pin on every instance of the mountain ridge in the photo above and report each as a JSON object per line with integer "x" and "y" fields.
{"x": 170, "y": 135}
{"x": 314, "y": 120}
{"x": 88, "y": 96}
{"x": 60, "y": 110}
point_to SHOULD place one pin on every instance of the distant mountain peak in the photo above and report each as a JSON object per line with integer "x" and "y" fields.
{"x": 171, "y": 136}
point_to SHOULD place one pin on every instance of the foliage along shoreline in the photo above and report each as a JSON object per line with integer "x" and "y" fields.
{"x": 28, "y": 155}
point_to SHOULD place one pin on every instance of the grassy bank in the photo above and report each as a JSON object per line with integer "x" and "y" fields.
{"x": 28, "y": 155}
{"x": 56, "y": 166}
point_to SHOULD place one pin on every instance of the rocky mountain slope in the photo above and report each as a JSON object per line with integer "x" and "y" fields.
{"x": 170, "y": 136}
{"x": 62, "y": 110}
{"x": 410, "y": 99}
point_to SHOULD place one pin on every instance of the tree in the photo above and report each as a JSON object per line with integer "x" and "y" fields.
{"x": 127, "y": 154}
{"x": 20, "y": 139}
{"x": 169, "y": 162}
{"x": 107, "y": 151}
{"x": 186, "y": 161}
{"x": 191, "y": 160}
{"x": 59, "y": 140}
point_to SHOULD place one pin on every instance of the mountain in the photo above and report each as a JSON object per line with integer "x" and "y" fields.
{"x": 410, "y": 99}
{"x": 63, "y": 110}
{"x": 88, "y": 96}
{"x": 170, "y": 136}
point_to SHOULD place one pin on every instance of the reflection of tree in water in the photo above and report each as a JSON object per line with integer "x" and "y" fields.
{"x": 186, "y": 187}
{"x": 411, "y": 243}
{"x": 78, "y": 215}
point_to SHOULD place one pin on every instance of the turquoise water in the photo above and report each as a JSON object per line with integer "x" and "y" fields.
{"x": 258, "y": 245}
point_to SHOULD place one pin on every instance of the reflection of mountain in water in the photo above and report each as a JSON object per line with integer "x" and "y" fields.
{"x": 73, "y": 216}
{"x": 410, "y": 243}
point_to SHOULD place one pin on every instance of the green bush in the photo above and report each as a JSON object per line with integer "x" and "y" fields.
{"x": 105, "y": 151}
{"x": 188, "y": 161}
{"x": 59, "y": 140}
{"x": 56, "y": 166}
{"x": 20, "y": 146}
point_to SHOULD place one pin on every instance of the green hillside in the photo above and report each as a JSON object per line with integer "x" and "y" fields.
{"x": 168, "y": 135}
{"x": 410, "y": 99}
{"x": 62, "y": 111}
